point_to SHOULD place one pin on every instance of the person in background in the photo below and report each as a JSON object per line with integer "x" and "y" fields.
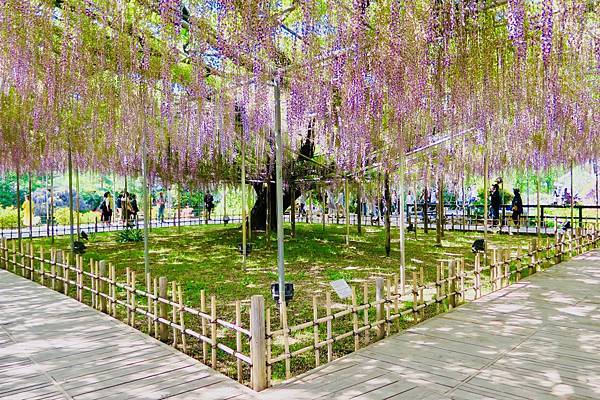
{"x": 118, "y": 205}
{"x": 340, "y": 204}
{"x": 28, "y": 208}
{"x": 330, "y": 204}
{"x": 302, "y": 201}
{"x": 134, "y": 207}
{"x": 495, "y": 204}
{"x": 395, "y": 202}
{"x": 566, "y": 198}
{"x": 106, "y": 209}
{"x": 409, "y": 205}
{"x": 517, "y": 207}
{"x": 161, "y": 207}
{"x": 209, "y": 204}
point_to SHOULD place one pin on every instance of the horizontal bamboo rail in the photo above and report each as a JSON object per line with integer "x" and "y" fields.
{"x": 98, "y": 286}
{"x": 453, "y": 285}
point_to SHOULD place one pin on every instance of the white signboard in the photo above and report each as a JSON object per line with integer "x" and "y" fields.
{"x": 341, "y": 288}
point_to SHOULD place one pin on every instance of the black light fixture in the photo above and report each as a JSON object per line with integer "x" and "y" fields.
{"x": 289, "y": 291}
{"x": 478, "y": 246}
{"x": 248, "y": 248}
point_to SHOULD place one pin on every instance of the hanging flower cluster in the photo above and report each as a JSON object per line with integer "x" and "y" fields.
{"x": 193, "y": 80}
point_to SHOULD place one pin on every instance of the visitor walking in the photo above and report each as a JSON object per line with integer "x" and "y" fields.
{"x": 517, "y": 207}
{"x": 410, "y": 201}
{"x": 161, "y": 207}
{"x": 28, "y": 208}
{"x": 208, "y": 204}
{"x": 134, "y": 208}
{"x": 106, "y": 209}
{"x": 395, "y": 202}
{"x": 495, "y": 204}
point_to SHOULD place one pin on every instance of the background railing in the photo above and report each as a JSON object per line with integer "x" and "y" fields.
{"x": 98, "y": 227}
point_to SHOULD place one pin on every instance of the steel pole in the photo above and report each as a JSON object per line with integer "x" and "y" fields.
{"x": 147, "y": 213}
{"x": 402, "y": 210}
{"x": 279, "y": 193}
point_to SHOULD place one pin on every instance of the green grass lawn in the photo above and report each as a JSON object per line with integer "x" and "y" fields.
{"x": 206, "y": 257}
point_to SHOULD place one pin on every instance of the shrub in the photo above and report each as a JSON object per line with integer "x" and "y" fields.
{"x": 130, "y": 235}
{"x": 8, "y": 217}
{"x": 61, "y": 216}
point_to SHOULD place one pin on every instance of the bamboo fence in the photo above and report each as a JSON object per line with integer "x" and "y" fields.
{"x": 251, "y": 355}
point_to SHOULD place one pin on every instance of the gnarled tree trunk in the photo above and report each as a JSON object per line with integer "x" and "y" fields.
{"x": 259, "y": 210}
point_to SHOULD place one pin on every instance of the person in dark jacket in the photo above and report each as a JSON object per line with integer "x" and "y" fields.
{"x": 517, "y": 207}
{"x": 209, "y": 204}
{"x": 495, "y": 204}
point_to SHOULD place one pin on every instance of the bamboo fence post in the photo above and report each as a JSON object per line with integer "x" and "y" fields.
{"x": 5, "y": 254}
{"x": 519, "y": 266}
{"x": 2, "y": 259}
{"x": 102, "y": 287}
{"x": 42, "y": 264}
{"x": 396, "y": 296}
{"x": 388, "y": 306}
{"x": 149, "y": 299}
{"x": 379, "y": 297}
{"x": 31, "y": 270}
{"x": 79, "y": 286}
{"x": 531, "y": 255}
{"x": 477, "y": 275}
{"x": 133, "y": 301}
{"x": 355, "y": 320}
{"x": 268, "y": 344}
{"x": 203, "y": 323}
{"x": 95, "y": 274}
{"x": 462, "y": 280}
{"x": 14, "y": 257}
{"x": 438, "y": 291}
{"x": 507, "y": 266}
{"x": 286, "y": 338}
{"x": 52, "y": 268}
{"x": 113, "y": 286}
{"x": 258, "y": 351}
{"x": 155, "y": 306}
{"x": 213, "y": 331}
{"x": 162, "y": 292}
{"x": 538, "y": 264}
{"x": 22, "y": 257}
{"x": 570, "y": 244}
{"x": 452, "y": 284}
{"x": 182, "y": 319}
{"x": 421, "y": 292}
{"x": 174, "y": 311}
{"x": 59, "y": 260}
{"x": 329, "y": 327}
{"x": 66, "y": 271}
{"x": 493, "y": 269}
{"x": 316, "y": 331}
{"x": 238, "y": 338}
{"x": 127, "y": 291}
{"x": 415, "y": 296}
{"x": 366, "y": 311}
